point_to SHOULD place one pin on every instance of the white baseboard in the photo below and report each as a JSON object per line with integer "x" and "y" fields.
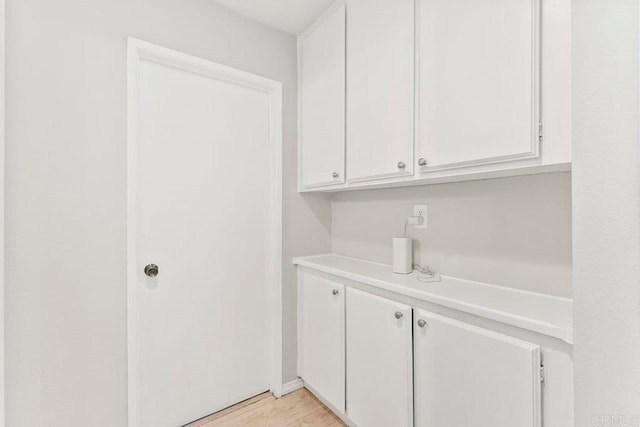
{"x": 292, "y": 386}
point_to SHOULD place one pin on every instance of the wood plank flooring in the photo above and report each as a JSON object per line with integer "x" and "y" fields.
{"x": 300, "y": 408}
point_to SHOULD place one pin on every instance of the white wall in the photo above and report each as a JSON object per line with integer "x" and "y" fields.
{"x": 513, "y": 232}
{"x": 66, "y": 191}
{"x": 606, "y": 212}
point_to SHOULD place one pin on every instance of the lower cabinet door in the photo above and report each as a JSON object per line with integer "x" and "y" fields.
{"x": 321, "y": 352}
{"x": 470, "y": 376}
{"x": 379, "y": 361}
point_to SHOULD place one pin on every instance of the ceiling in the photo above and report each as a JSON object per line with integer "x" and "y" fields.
{"x": 292, "y": 16}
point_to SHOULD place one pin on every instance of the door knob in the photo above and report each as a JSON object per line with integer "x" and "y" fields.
{"x": 422, "y": 323}
{"x": 401, "y": 165}
{"x": 398, "y": 315}
{"x": 422, "y": 161}
{"x": 335, "y": 175}
{"x": 151, "y": 270}
{"x": 335, "y": 292}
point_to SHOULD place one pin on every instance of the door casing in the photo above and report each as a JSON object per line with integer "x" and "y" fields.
{"x": 2, "y": 224}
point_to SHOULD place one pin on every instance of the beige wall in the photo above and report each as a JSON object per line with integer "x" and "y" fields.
{"x": 66, "y": 191}
{"x": 511, "y": 232}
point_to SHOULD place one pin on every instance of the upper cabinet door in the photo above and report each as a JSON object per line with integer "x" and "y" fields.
{"x": 322, "y": 101}
{"x": 470, "y": 376}
{"x": 478, "y": 70}
{"x": 380, "y": 90}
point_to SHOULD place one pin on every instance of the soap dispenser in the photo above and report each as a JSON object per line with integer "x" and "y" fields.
{"x": 402, "y": 255}
{"x": 403, "y": 248}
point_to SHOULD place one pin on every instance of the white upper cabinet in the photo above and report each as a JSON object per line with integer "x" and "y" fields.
{"x": 380, "y": 89}
{"x": 478, "y": 90}
{"x": 435, "y": 91}
{"x": 322, "y": 101}
{"x": 470, "y": 376}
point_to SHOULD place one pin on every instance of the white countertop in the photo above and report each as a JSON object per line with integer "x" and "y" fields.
{"x": 545, "y": 314}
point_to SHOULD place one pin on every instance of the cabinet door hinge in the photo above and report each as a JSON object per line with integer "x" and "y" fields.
{"x": 541, "y": 372}
{"x": 540, "y": 134}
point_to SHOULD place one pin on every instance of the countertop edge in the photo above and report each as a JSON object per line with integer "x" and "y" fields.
{"x": 561, "y": 332}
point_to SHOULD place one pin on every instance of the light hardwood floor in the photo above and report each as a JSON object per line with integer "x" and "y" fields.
{"x": 299, "y": 408}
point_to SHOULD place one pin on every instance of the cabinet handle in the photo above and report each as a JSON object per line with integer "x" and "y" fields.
{"x": 399, "y": 315}
{"x": 422, "y": 323}
{"x": 401, "y": 165}
{"x": 151, "y": 270}
{"x": 335, "y": 175}
{"x": 422, "y": 161}
{"x": 335, "y": 292}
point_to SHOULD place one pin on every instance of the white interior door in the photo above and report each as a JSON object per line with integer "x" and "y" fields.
{"x": 201, "y": 188}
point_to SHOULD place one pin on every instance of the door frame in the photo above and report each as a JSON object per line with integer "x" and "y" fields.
{"x": 2, "y": 207}
{"x": 137, "y": 51}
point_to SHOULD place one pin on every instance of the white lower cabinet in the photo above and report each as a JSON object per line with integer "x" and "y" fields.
{"x": 321, "y": 358}
{"x": 379, "y": 361}
{"x": 405, "y": 366}
{"x": 470, "y": 376}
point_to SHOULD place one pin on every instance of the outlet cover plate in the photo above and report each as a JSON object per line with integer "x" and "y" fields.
{"x": 423, "y": 211}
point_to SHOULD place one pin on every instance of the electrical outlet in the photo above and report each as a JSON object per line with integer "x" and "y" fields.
{"x": 423, "y": 211}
